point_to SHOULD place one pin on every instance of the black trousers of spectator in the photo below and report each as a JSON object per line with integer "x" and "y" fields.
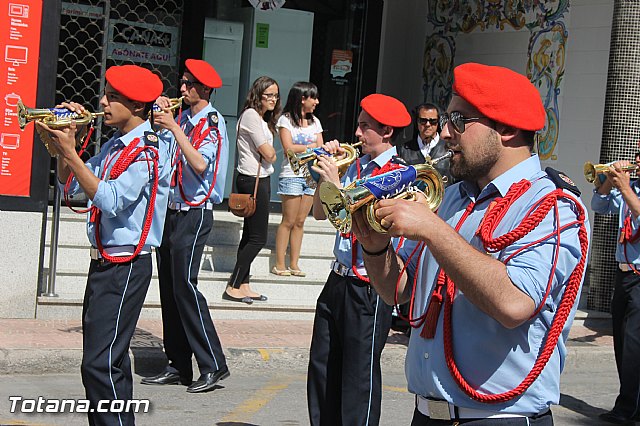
{"x": 625, "y": 313}
{"x": 351, "y": 325}
{"x": 113, "y": 300}
{"x": 254, "y": 230}
{"x": 186, "y": 322}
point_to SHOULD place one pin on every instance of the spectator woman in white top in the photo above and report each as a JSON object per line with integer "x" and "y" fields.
{"x": 299, "y": 129}
{"x": 256, "y": 127}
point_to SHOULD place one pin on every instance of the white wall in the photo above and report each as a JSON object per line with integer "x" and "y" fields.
{"x": 19, "y": 254}
{"x": 585, "y": 84}
{"x": 581, "y": 102}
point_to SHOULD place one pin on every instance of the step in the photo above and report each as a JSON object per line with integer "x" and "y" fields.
{"x": 214, "y": 259}
{"x": 225, "y": 232}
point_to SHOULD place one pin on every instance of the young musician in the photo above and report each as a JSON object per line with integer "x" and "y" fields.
{"x": 199, "y": 147}
{"x": 351, "y": 324}
{"x": 502, "y": 266}
{"x": 127, "y": 184}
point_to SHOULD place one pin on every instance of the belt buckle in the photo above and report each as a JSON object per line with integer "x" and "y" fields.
{"x": 94, "y": 253}
{"x": 438, "y": 410}
{"x": 624, "y": 267}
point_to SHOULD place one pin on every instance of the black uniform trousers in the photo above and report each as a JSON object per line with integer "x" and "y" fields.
{"x": 625, "y": 313}
{"x": 350, "y": 329}
{"x": 186, "y": 322}
{"x": 113, "y": 300}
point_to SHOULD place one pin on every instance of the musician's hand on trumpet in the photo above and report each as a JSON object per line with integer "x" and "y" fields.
{"x": 371, "y": 240}
{"x": 618, "y": 175}
{"x": 60, "y": 141}
{"x": 405, "y": 218}
{"x": 327, "y": 169}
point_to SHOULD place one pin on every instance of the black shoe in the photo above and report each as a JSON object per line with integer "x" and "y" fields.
{"x": 226, "y": 296}
{"x": 165, "y": 378}
{"x": 613, "y": 417}
{"x": 261, "y": 298}
{"x": 208, "y": 381}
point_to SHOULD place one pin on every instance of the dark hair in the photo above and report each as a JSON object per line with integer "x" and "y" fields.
{"x": 530, "y": 138}
{"x": 299, "y": 91}
{"x": 254, "y": 100}
{"x": 636, "y": 155}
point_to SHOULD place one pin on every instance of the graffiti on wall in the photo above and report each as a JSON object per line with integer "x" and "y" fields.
{"x": 546, "y": 51}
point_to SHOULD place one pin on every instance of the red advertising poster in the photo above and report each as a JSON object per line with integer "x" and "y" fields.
{"x": 20, "y": 24}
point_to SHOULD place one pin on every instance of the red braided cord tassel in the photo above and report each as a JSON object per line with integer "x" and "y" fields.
{"x": 197, "y": 145}
{"x": 433, "y": 309}
{"x": 551, "y": 340}
{"x": 125, "y": 159}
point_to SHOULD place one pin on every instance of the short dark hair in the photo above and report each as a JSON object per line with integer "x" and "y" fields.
{"x": 426, "y": 105}
{"x": 637, "y": 155}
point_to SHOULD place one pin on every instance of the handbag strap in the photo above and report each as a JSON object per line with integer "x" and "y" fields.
{"x": 255, "y": 188}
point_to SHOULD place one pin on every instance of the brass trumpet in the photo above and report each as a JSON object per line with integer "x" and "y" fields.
{"x": 591, "y": 171}
{"x": 300, "y": 161}
{"x": 175, "y": 103}
{"x": 55, "y": 118}
{"x": 340, "y": 204}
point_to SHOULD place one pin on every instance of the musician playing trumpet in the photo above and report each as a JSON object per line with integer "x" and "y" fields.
{"x": 351, "y": 321}
{"x": 500, "y": 265}
{"x": 127, "y": 184}
{"x": 199, "y": 149}
{"x": 618, "y": 194}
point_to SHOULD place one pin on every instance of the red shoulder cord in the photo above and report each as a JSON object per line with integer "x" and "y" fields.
{"x": 389, "y": 166}
{"x": 485, "y": 231}
{"x": 129, "y": 155}
{"x": 628, "y": 237}
{"x": 197, "y": 139}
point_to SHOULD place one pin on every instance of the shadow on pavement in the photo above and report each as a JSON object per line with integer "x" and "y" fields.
{"x": 580, "y": 407}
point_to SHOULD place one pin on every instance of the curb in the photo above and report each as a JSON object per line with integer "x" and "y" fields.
{"x": 148, "y": 361}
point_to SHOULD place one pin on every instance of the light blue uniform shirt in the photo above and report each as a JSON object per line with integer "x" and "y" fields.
{"x": 613, "y": 203}
{"x": 123, "y": 201}
{"x": 342, "y": 246}
{"x": 196, "y": 186}
{"x": 492, "y": 358}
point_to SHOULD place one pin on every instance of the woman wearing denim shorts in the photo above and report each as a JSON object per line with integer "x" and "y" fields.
{"x": 299, "y": 129}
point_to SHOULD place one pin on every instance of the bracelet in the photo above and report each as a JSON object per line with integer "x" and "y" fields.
{"x": 377, "y": 253}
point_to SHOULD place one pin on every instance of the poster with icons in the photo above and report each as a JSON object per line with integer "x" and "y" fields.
{"x": 20, "y": 25}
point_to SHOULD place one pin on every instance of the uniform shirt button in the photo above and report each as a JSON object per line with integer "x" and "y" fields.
{"x": 426, "y": 355}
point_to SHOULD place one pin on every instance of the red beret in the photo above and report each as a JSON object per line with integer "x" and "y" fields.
{"x": 203, "y": 72}
{"x": 134, "y": 82}
{"x": 386, "y": 110}
{"x": 500, "y": 94}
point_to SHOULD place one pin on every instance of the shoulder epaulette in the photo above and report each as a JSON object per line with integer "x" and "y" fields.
{"x": 213, "y": 119}
{"x": 561, "y": 180}
{"x": 151, "y": 139}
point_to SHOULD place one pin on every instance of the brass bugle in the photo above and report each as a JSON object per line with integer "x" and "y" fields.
{"x": 340, "y": 204}
{"x": 591, "y": 171}
{"x": 298, "y": 160}
{"x": 55, "y": 118}
{"x": 175, "y": 103}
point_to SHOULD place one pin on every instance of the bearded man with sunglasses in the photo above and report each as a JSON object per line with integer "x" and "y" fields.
{"x": 426, "y": 141}
{"x": 499, "y": 267}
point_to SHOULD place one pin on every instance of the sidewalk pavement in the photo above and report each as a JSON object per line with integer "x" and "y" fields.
{"x": 32, "y": 346}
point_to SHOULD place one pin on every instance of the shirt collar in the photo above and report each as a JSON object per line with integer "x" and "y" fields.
{"x": 431, "y": 144}
{"x": 380, "y": 160}
{"x": 204, "y": 112}
{"x": 137, "y": 132}
{"x": 528, "y": 169}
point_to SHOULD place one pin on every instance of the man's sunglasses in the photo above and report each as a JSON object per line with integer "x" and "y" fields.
{"x": 424, "y": 121}
{"x": 187, "y": 83}
{"x": 457, "y": 120}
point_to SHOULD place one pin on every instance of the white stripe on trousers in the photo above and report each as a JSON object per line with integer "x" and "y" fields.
{"x": 115, "y": 336}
